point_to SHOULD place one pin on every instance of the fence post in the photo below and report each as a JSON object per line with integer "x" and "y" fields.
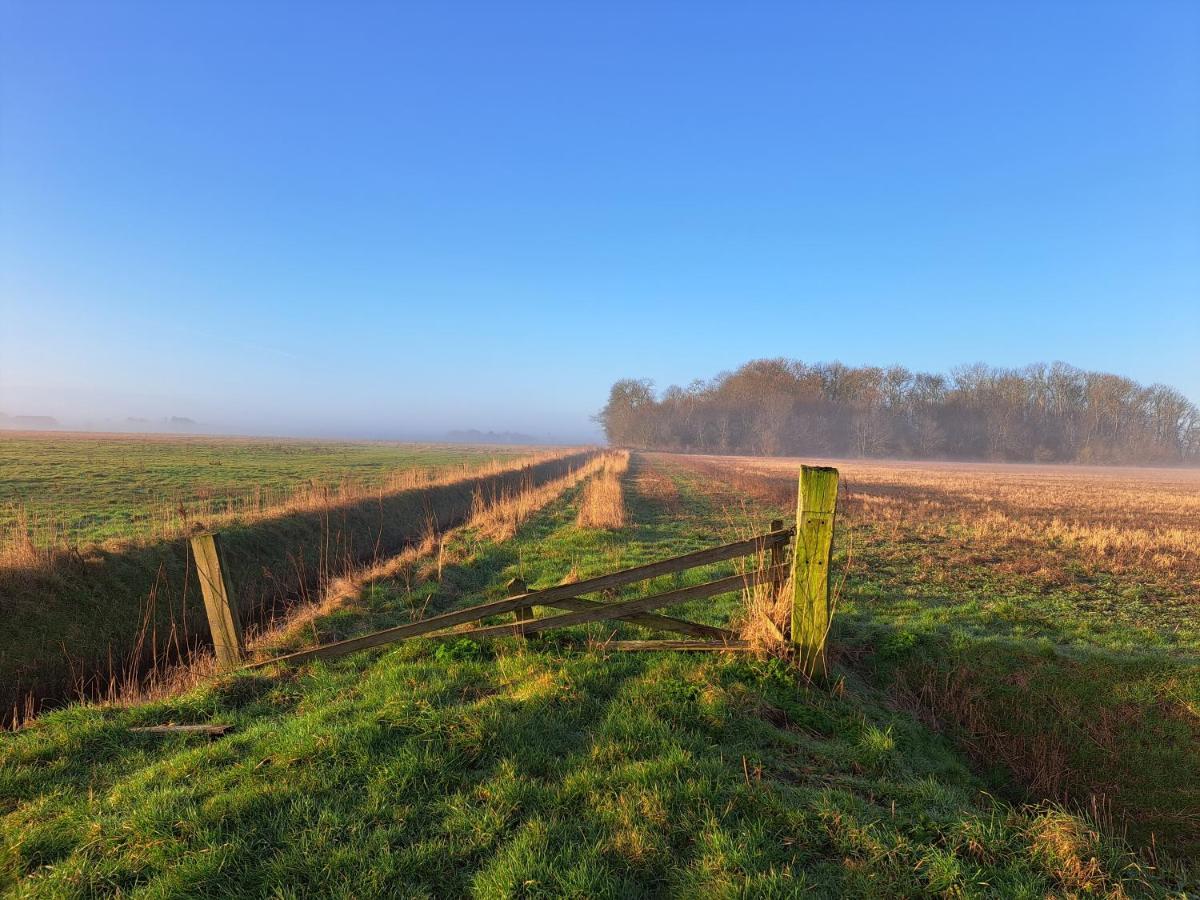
{"x": 521, "y": 614}
{"x": 815, "y": 508}
{"x": 776, "y": 563}
{"x": 219, "y": 600}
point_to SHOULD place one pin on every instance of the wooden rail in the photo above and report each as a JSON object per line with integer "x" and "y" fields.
{"x": 815, "y": 510}
{"x": 581, "y": 610}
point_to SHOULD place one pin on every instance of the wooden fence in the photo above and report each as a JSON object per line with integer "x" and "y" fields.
{"x": 811, "y": 539}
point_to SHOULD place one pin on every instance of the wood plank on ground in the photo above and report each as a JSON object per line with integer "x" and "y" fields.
{"x": 734, "y": 646}
{"x": 651, "y": 620}
{"x": 210, "y": 730}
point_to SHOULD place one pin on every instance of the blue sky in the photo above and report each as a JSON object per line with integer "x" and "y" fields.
{"x": 386, "y": 219}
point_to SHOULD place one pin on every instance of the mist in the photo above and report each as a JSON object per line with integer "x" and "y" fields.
{"x": 98, "y": 410}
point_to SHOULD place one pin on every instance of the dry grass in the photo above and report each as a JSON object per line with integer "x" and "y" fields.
{"x": 1122, "y": 520}
{"x": 498, "y": 518}
{"x": 1068, "y": 851}
{"x": 603, "y": 502}
{"x": 767, "y": 618}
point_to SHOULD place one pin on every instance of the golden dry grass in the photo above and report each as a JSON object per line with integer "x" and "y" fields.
{"x": 603, "y": 501}
{"x": 766, "y": 618}
{"x": 1121, "y": 519}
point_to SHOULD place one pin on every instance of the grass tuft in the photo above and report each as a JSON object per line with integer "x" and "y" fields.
{"x": 603, "y": 502}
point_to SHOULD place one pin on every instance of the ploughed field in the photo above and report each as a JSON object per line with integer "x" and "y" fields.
{"x": 1011, "y": 712}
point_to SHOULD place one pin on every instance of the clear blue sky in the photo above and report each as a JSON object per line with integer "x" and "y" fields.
{"x": 386, "y": 218}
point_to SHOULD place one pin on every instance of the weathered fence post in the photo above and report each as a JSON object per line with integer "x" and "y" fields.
{"x": 219, "y": 600}
{"x": 815, "y": 508}
{"x": 521, "y": 614}
{"x": 776, "y": 563}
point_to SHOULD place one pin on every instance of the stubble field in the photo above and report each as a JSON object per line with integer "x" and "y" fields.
{"x": 1045, "y": 617}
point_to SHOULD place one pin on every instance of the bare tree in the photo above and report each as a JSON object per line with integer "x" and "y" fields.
{"x": 1038, "y": 413}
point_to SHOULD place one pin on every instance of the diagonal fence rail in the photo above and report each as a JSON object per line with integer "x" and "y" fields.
{"x": 812, "y": 539}
{"x": 582, "y": 611}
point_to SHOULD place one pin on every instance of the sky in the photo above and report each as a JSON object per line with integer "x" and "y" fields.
{"x": 392, "y": 219}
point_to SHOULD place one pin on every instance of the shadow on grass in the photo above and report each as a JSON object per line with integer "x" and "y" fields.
{"x": 1114, "y": 734}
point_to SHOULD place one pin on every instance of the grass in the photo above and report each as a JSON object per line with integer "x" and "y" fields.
{"x": 1061, "y": 651}
{"x": 540, "y": 768}
{"x": 92, "y": 488}
{"x": 603, "y": 501}
{"x": 101, "y": 618}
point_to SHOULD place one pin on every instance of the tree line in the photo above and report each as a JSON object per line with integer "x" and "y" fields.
{"x": 1039, "y": 413}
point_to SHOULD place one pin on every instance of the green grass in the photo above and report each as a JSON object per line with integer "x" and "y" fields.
{"x": 90, "y": 617}
{"x": 1065, "y": 695}
{"x": 1082, "y": 687}
{"x": 102, "y": 487}
{"x": 526, "y": 770}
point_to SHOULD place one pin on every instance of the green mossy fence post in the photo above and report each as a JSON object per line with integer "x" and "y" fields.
{"x": 219, "y": 601}
{"x": 815, "y": 508}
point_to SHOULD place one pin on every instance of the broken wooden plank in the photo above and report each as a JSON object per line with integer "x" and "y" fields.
{"x": 211, "y": 730}
{"x": 715, "y": 646}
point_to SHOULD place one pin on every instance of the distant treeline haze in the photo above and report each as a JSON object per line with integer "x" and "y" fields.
{"x": 1041, "y": 413}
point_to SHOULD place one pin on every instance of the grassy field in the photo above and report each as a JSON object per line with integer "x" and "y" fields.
{"x": 87, "y": 618}
{"x": 554, "y": 767}
{"x": 1047, "y": 618}
{"x": 88, "y": 487}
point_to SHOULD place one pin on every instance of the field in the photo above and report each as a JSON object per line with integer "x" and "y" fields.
{"x": 83, "y": 488}
{"x": 96, "y": 584}
{"x": 1012, "y": 711}
{"x": 1047, "y": 617}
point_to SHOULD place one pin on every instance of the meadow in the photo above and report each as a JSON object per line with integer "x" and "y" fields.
{"x": 82, "y": 488}
{"x": 555, "y": 766}
{"x": 92, "y": 617}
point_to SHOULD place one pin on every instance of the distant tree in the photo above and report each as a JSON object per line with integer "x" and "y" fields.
{"x": 628, "y": 417}
{"x": 1039, "y": 413}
